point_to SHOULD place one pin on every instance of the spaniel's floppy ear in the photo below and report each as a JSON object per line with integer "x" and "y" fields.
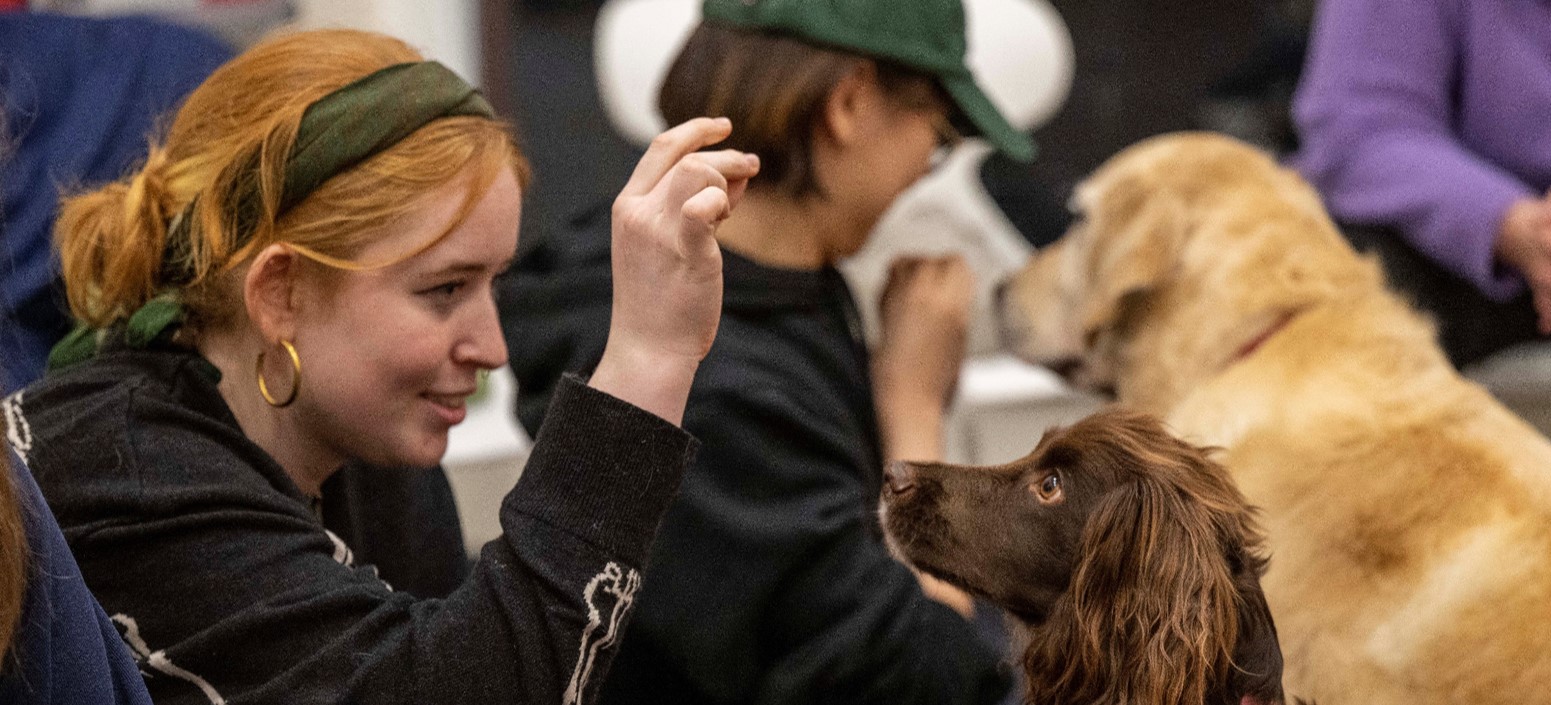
{"x": 1137, "y": 233}
{"x": 1152, "y": 614}
{"x": 1257, "y": 657}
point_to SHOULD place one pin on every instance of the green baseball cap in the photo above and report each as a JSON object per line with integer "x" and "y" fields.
{"x": 925, "y": 35}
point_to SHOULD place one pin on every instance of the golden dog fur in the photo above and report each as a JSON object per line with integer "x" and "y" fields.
{"x": 1408, "y": 513}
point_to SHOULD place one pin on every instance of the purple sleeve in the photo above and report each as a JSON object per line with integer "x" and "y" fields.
{"x": 1375, "y": 113}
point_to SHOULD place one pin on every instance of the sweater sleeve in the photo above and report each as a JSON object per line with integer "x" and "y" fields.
{"x": 1375, "y": 112}
{"x": 770, "y": 554}
{"x": 231, "y": 596}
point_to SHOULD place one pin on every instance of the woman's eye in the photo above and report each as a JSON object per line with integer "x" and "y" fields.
{"x": 445, "y": 290}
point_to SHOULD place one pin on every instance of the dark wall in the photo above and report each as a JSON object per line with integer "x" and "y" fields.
{"x": 1143, "y": 67}
{"x": 579, "y": 162}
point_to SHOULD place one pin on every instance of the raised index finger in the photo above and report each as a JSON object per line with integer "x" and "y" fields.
{"x": 671, "y": 146}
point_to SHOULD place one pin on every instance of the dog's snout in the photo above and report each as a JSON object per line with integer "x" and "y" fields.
{"x": 899, "y": 477}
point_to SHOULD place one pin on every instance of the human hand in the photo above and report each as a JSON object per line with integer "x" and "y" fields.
{"x": 667, "y": 267}
{"x": 1524, "y": 243}
{"x": 925, "y": 311}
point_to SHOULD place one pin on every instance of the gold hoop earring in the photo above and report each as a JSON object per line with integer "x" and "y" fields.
{"x": 296, "y": 384}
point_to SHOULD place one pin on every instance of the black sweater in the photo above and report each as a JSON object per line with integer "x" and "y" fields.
{"x": 228, "y": 588}
{"x": 770, "y": 583}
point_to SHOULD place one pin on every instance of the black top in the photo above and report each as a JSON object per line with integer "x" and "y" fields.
{"x": 227, "y": 587}
{"x": 769, "y": 582}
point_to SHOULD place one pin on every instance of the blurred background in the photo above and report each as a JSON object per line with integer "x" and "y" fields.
{"x": 1092, "y": 76}
{"x": 1087, "y": 77}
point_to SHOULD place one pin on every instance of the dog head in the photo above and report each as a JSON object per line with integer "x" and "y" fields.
{"x": 1186, "y": 247}
{"x": 1129, "y": 555}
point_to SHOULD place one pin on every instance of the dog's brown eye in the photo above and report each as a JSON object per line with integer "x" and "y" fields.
{"x": 1049, "y": 489}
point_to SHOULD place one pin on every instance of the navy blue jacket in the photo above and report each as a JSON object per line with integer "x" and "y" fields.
{"x": 80, "y": 99}
{"x": 66, "y": 649}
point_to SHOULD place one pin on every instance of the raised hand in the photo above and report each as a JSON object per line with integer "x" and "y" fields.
{"x": 667, "y": 267}
{"x": 925, "y": 314}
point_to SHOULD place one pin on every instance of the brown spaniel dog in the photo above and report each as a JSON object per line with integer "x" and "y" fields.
{"x": 1129, "y": 557}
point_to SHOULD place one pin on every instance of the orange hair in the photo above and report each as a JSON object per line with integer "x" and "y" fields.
{"x": 13, "y": 553}
{"x": 13, "y": 532}
{"x": 234, "y": 133}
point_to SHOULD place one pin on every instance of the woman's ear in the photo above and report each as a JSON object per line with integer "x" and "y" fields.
{"x": 846, "y": 106}
{"x": 269, "y": 292}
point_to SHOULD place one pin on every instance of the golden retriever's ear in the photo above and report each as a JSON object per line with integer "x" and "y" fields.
{"x": 1152, "y": 613}
{"x": 1137, "y": 233}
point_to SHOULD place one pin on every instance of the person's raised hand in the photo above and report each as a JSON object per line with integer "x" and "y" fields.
{"x": 1524, "y": 242}
{"x": 667, "y": 267}
{"x": 925, "y": 310}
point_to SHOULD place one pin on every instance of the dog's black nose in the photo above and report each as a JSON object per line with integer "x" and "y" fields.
{"x": 899, "y": 477}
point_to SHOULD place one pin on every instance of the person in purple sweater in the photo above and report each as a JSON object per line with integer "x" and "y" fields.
{"x": 1427, "y": 119}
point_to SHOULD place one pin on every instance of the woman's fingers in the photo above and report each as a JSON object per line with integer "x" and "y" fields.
{"x": 672, "y": 146}
{"x": 714, "y": 169}
{"x": 688, "y": 178}
{"x": 929, "y": 276}
{"x": 705, "y": 186}
{"x": 706, "y": 209}
{"x": 958, "y": 277}
{"x": 732, "y": 164}
{"x": 736, "y": 187}
{"x": 1542, "y": 303}
{"x": 736, "y": 169}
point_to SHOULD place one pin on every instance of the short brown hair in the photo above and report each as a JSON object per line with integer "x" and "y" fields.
{"x": 773, "y": 89}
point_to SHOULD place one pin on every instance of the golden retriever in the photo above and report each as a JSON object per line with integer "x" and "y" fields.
{"x": 1408, "y": 513}
{"x": 1128, "y": 558}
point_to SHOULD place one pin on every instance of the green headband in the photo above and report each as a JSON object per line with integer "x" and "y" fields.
{"x": 340, "y": 130}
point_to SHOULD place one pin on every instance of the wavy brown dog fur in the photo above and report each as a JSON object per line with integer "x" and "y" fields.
{"x": 1407, "y": 511}
{"x": 1128, "y": 555}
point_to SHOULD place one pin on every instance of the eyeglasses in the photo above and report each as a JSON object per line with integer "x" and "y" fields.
{"x": 948, "y": 137}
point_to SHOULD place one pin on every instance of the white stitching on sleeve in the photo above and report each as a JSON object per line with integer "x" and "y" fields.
{"x": 621, "y": 585}
{"x": 342, "y": 553}
{"x": 159, "y": 661}
{"x": 18, "y": 431}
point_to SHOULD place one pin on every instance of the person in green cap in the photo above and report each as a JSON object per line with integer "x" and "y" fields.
{"x": 300, "y": 276}
{"x": 770, "y": 582}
